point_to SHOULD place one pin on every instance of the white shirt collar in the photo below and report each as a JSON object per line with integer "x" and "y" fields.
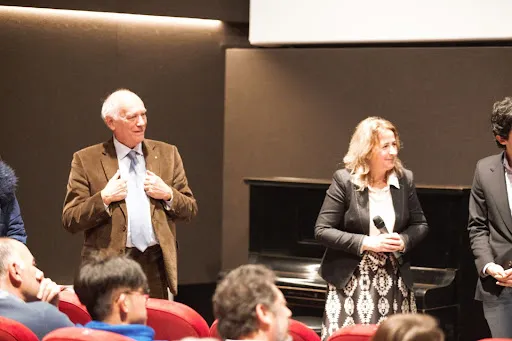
{"x": 393, "y": 180}
{"x": 122, "y": 150}
{"x": 508, "y": 169}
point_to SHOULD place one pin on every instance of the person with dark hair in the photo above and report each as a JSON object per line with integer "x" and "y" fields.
{"x": 490, "y": 225}
{"x": 409, "y": 327}
{"x": 249, "y": 306}
{"x": 369, "y": 222}
{"x": 25, "y": 294}
{"x": 11, "y": 223}
{"x": 115, "y": 291}
{"x": 126, "y": 194}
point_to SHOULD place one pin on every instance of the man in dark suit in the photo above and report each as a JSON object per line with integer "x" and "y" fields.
{"x": 490, "y": 225}
{"x": 125, "y": 194}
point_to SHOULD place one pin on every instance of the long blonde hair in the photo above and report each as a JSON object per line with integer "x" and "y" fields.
{"x": 362, "y": 143}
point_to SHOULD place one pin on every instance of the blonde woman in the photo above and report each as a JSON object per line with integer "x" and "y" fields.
{"x": 366, "y": 266}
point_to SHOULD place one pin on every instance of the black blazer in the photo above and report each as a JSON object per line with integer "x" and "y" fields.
{"x": 344, "y": 221}
{"x": 490, "y": 221}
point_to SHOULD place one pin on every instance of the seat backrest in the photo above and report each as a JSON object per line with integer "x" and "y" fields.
{"x": 70, "y": 305}
{"x": 83, "y": 334}
{"x": 358, "y": 332}
{"x": 213, "y": 330}
{"x": 297, "y": 330}
{"x": 174, "y": 321}
{"x": 11, "y": 330}
{"x": 300, "y": 332}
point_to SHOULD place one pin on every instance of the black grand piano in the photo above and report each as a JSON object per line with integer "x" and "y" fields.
{"x": 282, "y": 215}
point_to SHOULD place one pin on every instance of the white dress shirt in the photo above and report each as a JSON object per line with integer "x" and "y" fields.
{"x": 124, "y": 168}
{"x": 381, "y": 204}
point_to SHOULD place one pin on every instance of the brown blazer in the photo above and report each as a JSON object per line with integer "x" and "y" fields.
{"x": 84, "y": 210}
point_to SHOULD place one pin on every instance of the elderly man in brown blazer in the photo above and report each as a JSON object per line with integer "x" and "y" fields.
{"x": 127, "y": 193}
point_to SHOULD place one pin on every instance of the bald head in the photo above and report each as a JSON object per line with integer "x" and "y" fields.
{"x": 10, "y": 249}
{"x": 18, "y": 272}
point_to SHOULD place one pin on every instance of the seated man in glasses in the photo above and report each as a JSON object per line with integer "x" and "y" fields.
{"x": 115, "y": 290}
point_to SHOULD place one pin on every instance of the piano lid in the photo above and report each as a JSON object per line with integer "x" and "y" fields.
{"x": 288, "y": 181}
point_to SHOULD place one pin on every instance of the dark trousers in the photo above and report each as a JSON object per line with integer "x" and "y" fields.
{"x": 498, "y": 313}
{"x": 152, "y": 262}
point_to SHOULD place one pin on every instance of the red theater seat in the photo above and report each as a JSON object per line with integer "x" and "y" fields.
{"x": 11, "y": 330}
{"x": 297, "y": 330}
{"x": 174, "y": 321}
{"x": 300, "y": 332}
{"x": 213, "y": 330}
{"x": 358, "y": 332}
{"x": 70, "y": 305}
{"x": 83, "y": 334}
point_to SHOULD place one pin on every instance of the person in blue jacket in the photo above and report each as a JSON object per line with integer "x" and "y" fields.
{"x": 11, "y": 223}
{"x": 115, "y": 291}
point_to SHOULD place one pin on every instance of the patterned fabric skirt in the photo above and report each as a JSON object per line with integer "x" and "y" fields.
{"x": 375, "y": 291}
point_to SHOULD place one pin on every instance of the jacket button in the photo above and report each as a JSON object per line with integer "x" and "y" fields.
{"x": 124, "y": 227}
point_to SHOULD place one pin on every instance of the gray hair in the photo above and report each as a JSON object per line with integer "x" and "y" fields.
{"x": 113, "y": 104}
{"x": 236, "y": 298}
{"x": 7, "y": 249}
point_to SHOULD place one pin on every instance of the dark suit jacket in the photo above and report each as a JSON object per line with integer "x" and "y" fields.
{"x": 490, "y": 221}
{"x": 84, "y": 210}
{"x": 11, "y": 223}
{"x": 344, "y": 221}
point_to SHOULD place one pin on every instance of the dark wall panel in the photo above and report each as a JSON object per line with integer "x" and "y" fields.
{"x": 291, "y": 112}
{"x": 58, "y": 67}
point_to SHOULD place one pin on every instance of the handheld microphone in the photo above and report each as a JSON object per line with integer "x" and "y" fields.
{"x": 381, "y": 226}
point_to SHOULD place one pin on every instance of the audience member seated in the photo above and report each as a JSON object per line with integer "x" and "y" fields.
{"x": 249, "y": 306}
{"x": 26, "y": 295}
{"x": 409, "y": 327}
{"x": 115, "y": 290}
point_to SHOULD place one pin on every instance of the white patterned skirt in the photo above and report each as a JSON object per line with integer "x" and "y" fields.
{"x": 375, "y": 291}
